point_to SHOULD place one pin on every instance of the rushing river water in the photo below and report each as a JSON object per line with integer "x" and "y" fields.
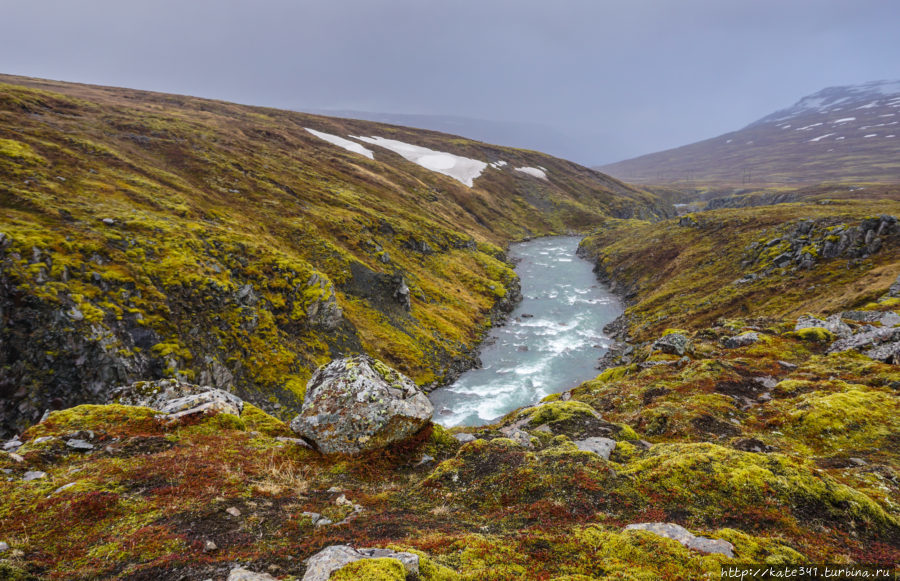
{"x": 550, "y": 343}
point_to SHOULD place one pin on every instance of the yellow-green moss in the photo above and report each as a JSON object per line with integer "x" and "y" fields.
{"x": 815, "y": 335}
{"x": 257, "y": 420}
{"x": 371, "y": 570}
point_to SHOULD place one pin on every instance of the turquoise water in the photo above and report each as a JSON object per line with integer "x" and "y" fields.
{"x": 549, "y": 344}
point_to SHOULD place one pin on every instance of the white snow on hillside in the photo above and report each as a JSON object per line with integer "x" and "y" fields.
{"x": 459, "y": 168}
{"x": 498, "y": 164}
{"x": 533, "y": 171}
{"x": 344, "y": 143}
{"x": 819, "y": 138}
{"x": 844, "y": 120}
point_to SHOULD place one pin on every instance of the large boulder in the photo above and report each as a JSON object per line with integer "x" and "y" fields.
{"x": 357, "y": 404}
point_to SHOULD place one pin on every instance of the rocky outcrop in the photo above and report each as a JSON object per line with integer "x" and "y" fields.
{"x": 177, "y": 399}
{"x": 357, "y": 404}
{"x": 320, "y": 566}
{"x": 805, "y": 243}
{"x": 742, "y": 340}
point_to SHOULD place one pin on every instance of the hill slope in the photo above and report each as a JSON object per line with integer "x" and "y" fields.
{"x": 145, "y": 235}
{"x": 846, "y": 134}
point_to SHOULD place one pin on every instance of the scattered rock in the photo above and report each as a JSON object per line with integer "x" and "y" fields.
{"x": 109, "y": 221}
{"x": 832, "y": 323}
{"x": 209, "y": 546}
{"x": 464, "y": 438}
{"x": 752, "y": 445}
{"x": 686, "y": 538}
{"x": 3, "y": 547}
{"x": 241, "y": 574}
{"x": 673, "y": 344}
{"x": 34, "y": 475}
{"x": 16, "y": 457}
{"x": 298, "y": 441}
{"x": 357, "y": 404}
{"x": 602, "y": 447}
{"x": 12, "y": 445}
{"x": 64, "y": 487}
{"x": 876, "y": 342}
{"x": 79, "y": 445}
{"x": 233, "y": 511}
{"x": 320, "y": 566}
{"x": 177, "y": 399}
{"x": 742, "y": 340}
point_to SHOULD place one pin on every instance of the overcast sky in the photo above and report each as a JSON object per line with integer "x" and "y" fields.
{"x": 620, "y": 78}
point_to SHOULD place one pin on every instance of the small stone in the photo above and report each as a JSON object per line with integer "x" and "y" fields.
{"x": 241, "y": 574}
{"x": 858, "y": 461}
{"x": 12, "y": 445}
{"x": 787, "y": 365}
{"x": 79, "y": 445}
{"x": 322, "y": 522}
{"x": 209, "y": 546}
{"x": 464, "y": 438}
{"x": 742, "y": 340}
{"x": 602, "y": 447}
{"x": 3, "y": 547}
{"x": 334, "y": 489}
{"x": 109, "y": 221}
{"x": 233, "y": 511}
{"x": 16, "y": 457}
{"x": 342, "y": 501}
{"x": 34, "y": 475}
{"x": 64, "y": 487}
{"x": 686, "y": 538}
{"x": 313, "y": 516}
{"x": 425, "y": 459}
{"x": 43, "y": 439}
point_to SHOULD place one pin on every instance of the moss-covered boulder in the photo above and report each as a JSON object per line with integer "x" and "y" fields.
{"x": 357, "y": 404}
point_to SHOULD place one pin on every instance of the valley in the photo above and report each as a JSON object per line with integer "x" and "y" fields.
{"x": 206, "y": 309}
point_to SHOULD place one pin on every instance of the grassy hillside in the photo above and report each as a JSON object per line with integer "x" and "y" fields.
{"x": 778, "y": 445}
{"x": 145, "y": 235}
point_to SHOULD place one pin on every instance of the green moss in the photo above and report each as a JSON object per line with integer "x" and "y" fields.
{"x": 259, "y": 421}
{"x": 371, "y": 569}
{"x": 855, "y": 419}
{"x": 107, "y": 418}
{"x": 557, "y": 411}
{"x": 19, "y": 151}
{"x": 815, "y": 335}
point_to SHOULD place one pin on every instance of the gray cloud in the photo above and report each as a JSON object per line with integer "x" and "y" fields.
{"x": 621, "y": 78}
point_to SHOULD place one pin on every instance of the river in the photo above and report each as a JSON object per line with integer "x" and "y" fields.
{"x": 550, "y": 343}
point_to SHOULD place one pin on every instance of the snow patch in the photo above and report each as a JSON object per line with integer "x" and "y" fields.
{"x": 463, "y": 169}
{"x": 498, "y": 164}
{"x": 808, "y": 127}
{"x": 533, "y": 171}
{"x": 344, "y": 143}
{"x": 820, "y": 137}
{"x": 871, "y": 135}
{"x": 868, "y": 105}
{"x": 844, "y": 120}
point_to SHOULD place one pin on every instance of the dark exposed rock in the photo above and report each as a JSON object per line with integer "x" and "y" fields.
{"x": 357, "y": 404}
{"x": 742, "y": 340}
{"x": 673, "y": 344}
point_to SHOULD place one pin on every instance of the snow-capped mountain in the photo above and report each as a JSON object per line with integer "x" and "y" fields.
{"x": 837, "y": 134}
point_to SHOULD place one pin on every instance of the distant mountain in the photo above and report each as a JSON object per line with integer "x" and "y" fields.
{"x": 846, "y": 134}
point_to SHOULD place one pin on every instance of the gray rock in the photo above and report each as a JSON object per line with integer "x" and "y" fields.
{"x": 686, "y": 538}
{"x": 742, "y": 340}
{"x": 887, "y": 352}
{"x": 298, "y": 441}
{"x": 767, "y": 381}
{"x": 177, "y": 399}
{"x": 64, "y": 487}
{"x": 79, "y": 445}
{"x": 43, "y": 439}
{"x": 320, "y": 566}
{"x": 12, "y": 445}
{"x": 109, "y": 221}
{"x": 464, "y": 438}
{"x": 894, "y": 290}
{"x": 241, "y": 574}
{"x": 833, "y": 324}
{"x": 233, "y": 511}
{"x": 602, "y": 447}
{"x": 210, "y": 546}
{"x": 357, "y": 404}
{"x": 34, "y": 475}
{"x": 3, "y": 547}
{"x": 673, "y": 343}
{"x": 867, "y": 338}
